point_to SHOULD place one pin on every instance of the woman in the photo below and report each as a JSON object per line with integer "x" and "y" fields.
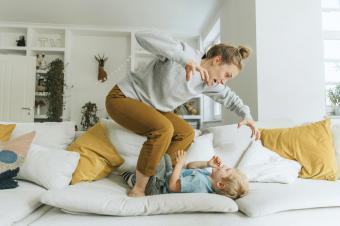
{"x": 144, "y": 101}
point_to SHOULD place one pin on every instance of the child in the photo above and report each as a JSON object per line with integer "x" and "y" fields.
{"x": 194, "y": 177}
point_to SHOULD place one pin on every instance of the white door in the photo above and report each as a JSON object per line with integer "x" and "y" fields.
{"x": 17, "y": 88}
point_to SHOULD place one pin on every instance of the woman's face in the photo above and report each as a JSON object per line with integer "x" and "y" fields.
{"x": 220, "y": 72}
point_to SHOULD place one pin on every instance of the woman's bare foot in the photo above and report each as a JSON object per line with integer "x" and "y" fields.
{"x": 139, "y": 189}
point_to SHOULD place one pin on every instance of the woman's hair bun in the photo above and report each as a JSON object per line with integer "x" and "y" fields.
{"x": 244, "y": 51}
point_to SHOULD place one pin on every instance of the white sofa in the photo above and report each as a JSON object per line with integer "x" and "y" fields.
{"x": 315, "y": 203}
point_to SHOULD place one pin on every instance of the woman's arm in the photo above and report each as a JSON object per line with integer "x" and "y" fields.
{"x": 225, "y": 96}
{"x": 166, "y": 46}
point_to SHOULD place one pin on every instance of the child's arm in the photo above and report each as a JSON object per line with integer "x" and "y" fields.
{"x": 215, "y": 161}
{"x": 197, "y": 164}
{"x": 174, "y": 181}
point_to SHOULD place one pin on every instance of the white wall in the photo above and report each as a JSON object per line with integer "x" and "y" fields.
{"x": 238, "y": 27}
{"x": 284, "y": 78}
{"x": 84, "y": 70}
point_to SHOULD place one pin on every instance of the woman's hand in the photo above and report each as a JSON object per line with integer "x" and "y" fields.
{"x": 191, "y": 67}
{"x": 251, "y": 124}
{"x": 215, "y": 162}
{"x": 180, "y": 158}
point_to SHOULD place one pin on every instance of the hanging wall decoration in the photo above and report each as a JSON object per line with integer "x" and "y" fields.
{"x": 102, "y": 75}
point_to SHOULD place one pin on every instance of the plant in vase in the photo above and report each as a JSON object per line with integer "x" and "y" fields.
{"x": 89, "y": 115}
{"x": 55, "y": 89}
{"x": 334, "y": 97}
{"x": 38, "y": 104}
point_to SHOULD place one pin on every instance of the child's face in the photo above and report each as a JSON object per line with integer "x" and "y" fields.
{"x": 218, "y": 173}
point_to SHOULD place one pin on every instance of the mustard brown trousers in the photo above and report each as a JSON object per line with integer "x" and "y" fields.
{"x": 165, "y": 131}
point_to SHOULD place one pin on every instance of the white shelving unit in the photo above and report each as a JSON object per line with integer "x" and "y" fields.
{"x": 55, "y": 41}
{"x": 49, "y": 41}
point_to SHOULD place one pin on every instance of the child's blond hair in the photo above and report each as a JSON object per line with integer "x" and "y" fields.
{"x": 235, "y": 185}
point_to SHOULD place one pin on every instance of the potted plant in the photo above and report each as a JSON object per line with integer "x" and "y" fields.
{"x": 89, "y": 115}
{"x": 334, "y": 97}
{"x": 38, "y": 105}
{"x": 55, "y": 89}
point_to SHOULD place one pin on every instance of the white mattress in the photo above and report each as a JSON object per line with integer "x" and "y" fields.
{"x": 20, "y": 202}
{"x": 310, "y": 217}
{"x": 34, "y": 216}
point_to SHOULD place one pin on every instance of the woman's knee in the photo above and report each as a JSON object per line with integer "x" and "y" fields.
{"x": 191, "y": 134}
{"x": 167, "y": 128}
{"x": 188, "y": 134}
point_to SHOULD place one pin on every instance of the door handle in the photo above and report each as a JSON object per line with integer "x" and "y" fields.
{"x": 26, "y": 108}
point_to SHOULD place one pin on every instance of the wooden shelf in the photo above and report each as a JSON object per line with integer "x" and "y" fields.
{"x": 40, "y": 117}
{"x": 41, "y": 71}
{"x": 191, "y": 116}
{"x": 46, "y": 49}
{"x": 14, "y": 48}
{"x": 143, "y": 53}
{"x": 41, "y": 94}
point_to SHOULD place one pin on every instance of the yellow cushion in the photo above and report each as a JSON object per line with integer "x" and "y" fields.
{"x": 6, "y": 131}
{"x": 311, "y": 145}
{"x": 98, "y": 157}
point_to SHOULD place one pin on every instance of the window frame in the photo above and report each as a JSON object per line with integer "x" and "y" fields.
{"x": 329, "y": 35}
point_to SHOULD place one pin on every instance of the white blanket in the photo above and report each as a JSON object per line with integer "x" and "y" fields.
{"x": 263, "y": 165}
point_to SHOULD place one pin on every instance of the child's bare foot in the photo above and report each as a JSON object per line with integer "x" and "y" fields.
{"x": 133, "y": 193}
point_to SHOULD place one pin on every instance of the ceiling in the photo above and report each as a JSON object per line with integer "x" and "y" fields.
{"x": 192, "y": 16}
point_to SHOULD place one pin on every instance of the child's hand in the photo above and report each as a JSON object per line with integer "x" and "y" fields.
{"x": 215, "y": 162}
{"x": 181, "y": 157}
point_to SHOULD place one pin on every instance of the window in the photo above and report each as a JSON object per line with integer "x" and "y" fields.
{"x": 331, "y": 34}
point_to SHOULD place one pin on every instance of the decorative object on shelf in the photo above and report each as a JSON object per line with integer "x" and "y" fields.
{"x": 55, "y": 89}
{"x": 41, "y": 86}
{"x": 21, "y": 41}
{"x": 190, "y": 106}
{"x": 52, "y": 43}
{"x": 89, "y": 115}
{"x": 40, "y": 62}
{"x": 181, "y": 110}
{"x": 43, "y": 41}
{"x": 102, "y": 75}
{"x": 334, "y": 97}
{"x": 38, "y": 104}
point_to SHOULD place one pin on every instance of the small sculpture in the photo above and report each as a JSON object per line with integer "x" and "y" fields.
{"x": 102, "y": 75}
{"x": 190, "y": 106}
{"x": 21, "y": 41}
{"x": 40, "y": 62}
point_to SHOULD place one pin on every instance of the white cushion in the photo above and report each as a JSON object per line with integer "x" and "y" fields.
{"x": 230, "y": 134}
{"x": 108, "y": 196}
{"x": 230, "y": 154}
{"x": 50, "y": 134}
{"x": 201, "y": 149}
{"x": 260, "y": 164}
{"x": 230, "y": 142}
{"x": 48, "y": 167}
{"x": 19, "y": 202}
{"x": 268, "y": 198}
{"x": 336, "y": 140}
{"x": 127, "y": 143}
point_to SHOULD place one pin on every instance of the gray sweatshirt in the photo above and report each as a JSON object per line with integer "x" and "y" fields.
{"x": 162, "y": 83}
